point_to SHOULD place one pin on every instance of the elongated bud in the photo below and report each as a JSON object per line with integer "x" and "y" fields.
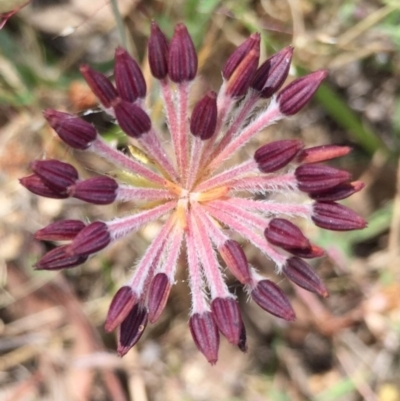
{"x": 62, "y": 230}
{"x": 296, "y": 95}
{"x": 271, "y": 75}
{"x": 322, "y": 153}
{"x": 160, "y": 288}
{"x": 312, "y": 252}
{"x": 239, "y": 82}
{"x": 36, "y": 185}
{"x": 59, "y": 258}
{"x": 128, "y": 76}
{"x": 234, "y": 60}
{"x": 204, "y": 116}
{"x": 121, "y": 304}
{"x": 303, "y": 275}
{"x": 96, "y": 190}
{"x": 205, "y": 335}
{"x": 341, "y": 191}
{"x": 336, "y": 217}
{"x": 100, "y": 85}
{"x": 91, "y": 239}
{"x": 132, "y": 329}
{"x": 285, "y": 234}
{"x": 234, "y": 257}
{"x": 74, "y": 131}
{"x": 275, "y": 155}
{"x": 318, "y": 177}
{"x": 182, "y": 62}
{"x": 133, "y": 120}
{"x": 227, "y": 316}
{"x": 158, "y": 50}
{"x": 55, "y": 174}
{"x": 271, "y": 298}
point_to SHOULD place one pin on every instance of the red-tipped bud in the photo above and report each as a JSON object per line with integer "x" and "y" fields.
{"x": 160, "y": 288}
{"x": 272, "y": 299}
{"x": 128, "y": 76}
{"x": 286, "y": 235}
{"x": 336, "y": 217}
{"x": 96, "y": 190}
{"x": 62, "y": 230}
{"x": 271, "y": 75}
{"x": 100, "y": 85}
{"x": 322, "y": 153}
{"x": 74, "y": 131}
{"x": 158, "y": 52}
{"x": 133, "y": 120}
{"x": 204, "y": 116}
{"x": 55, "y": 174}
{"x": 234, "y": 257}
{"x": 121, "y": 304}
{"x": 318, "y": 177}
{"x": 91, "y": 239}
{"x": 296, "y": 95}
{"x": 205, "y": 335}
{"x": 275, "y": 155}
{"x": 182, "y": 61}
{"x": 132, "y": 329}
{"x": 59, "y": 258}
{"x": 36, "y": 185}
{"x": 235, "y": 59}
{"x": 239, "y": 82}
{"x": 227, "y": 315}
{"x": 304, "y": 276}
{"x": 312, "y": 252}
{"x": 339, "y": 192}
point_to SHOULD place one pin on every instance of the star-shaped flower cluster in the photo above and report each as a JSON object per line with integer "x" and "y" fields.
{"x": 202, "y": 205}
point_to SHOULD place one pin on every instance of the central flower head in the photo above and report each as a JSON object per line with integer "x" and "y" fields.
{"x": 203, "y": 205}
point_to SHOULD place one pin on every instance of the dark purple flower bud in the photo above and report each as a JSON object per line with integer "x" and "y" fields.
{"x": 313, "y": 251}
{"x": 133, "y": 120}
{"x": 128, "y": 76}
{"x": 286, "y": 235}
{"x": 275, "y": 155}
{"x": 74, "y": 131}
{"x": 242, "y": 345}
{"x": 59, "y": 258}
{"x": 227, "y": 316}
{"x": 100, "y": 85}
{"x": 235, "y": 59}
{"x": 62, "y": 230}
{"x": 132, "y": 329}
{"x": 55, "y": 174}
{"x": 341, "y": 191}
{"x": 322, "y": 153}
{"x": 182, "y": 61}
{"x": 271, "y": 75}
{"x": 296, "y": 95}
{"x": 204, "y": 116}
{"x": 36, "y": 185}
{"x": 205, "y": 335}
{"x": 272, "y": 299}
{"x": 121, "y": 304}
{"x": 234, "y": 257}
{"x": 91, "y": 239}
{"x": 336, "y": 217}
{"x": 96, "y": 190}
{"x": 304, "y": 276}
{"x": 160, "y": 288}
{"x": 158, "y": 52}
{"x": 318, "y": 177}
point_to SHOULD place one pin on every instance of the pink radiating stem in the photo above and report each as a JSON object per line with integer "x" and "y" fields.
{"x": 124, "y": 225}
{"x": 249, "y": 234}
{"x": 102, "y": 149}
{"x": 271, "y": 115}
{"x": 128, "y": 193}
{"x": 270, "y": 183}
{"x": 174, "y": 248}
{"x": 183, "y": 129}
{"x": 195, "y": 161}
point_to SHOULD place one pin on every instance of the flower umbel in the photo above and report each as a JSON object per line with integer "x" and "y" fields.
{"x": 202, "y": 203}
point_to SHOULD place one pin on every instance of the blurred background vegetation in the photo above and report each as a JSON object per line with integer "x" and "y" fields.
{"x": 346, "y": 347}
